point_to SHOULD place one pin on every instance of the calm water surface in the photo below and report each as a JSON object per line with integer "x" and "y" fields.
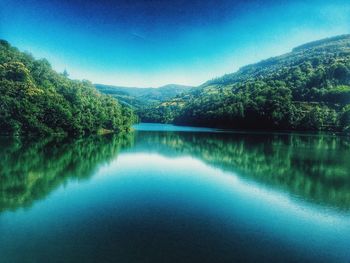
{"x": 176, "y": 194}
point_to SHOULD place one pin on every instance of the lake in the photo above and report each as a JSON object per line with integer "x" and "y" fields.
{"x": 176, "y": 194}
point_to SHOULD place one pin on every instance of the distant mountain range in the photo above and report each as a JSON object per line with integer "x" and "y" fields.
{"x": 141, "y": 97}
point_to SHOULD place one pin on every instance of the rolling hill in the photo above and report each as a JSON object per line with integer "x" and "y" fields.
{"x": 306, "y": 89}
{"x": 138, "y": 98}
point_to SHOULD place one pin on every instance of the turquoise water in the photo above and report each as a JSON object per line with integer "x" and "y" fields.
{"x": 176, "y": 194}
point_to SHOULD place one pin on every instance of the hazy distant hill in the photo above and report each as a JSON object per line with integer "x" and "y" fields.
{"x": 141, "y": 97}
{"x": 306, "y": 89}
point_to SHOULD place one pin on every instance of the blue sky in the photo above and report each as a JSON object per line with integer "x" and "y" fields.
{"x": 155, "y": 42}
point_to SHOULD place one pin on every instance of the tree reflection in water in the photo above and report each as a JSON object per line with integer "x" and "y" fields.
{"x": 30, "y": 170}
{"x": 313, "y": 167}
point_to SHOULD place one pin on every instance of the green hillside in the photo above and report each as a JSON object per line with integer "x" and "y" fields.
{"x": 34, "y": 99}
{"x": 139, "y": 98}
{"x": 306, "y": 89}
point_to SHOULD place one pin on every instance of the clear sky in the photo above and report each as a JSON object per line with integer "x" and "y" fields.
{"x": 155, "y": 42}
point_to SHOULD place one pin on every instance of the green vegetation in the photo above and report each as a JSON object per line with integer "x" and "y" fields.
{"x": 307, "y": 89}
{"x": 164, "y": 112}
{"x": 312, "y": 167}
{"x": 30, "y": 170}
{"x": 34, "y": 99}
{"x": 139, "y": 98}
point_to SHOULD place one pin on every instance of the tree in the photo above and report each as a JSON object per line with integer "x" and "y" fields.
{"x": 34, "y": 99}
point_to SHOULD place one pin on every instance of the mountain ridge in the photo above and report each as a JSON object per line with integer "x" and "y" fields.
{"x": 142, "y": 97}
{"x": 305, "y": 89}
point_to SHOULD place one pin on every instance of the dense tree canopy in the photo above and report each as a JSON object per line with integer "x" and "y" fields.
{"x": 34, "y": 99}
{"x": 141, "y": 98}
{"x": 307, "y": 89}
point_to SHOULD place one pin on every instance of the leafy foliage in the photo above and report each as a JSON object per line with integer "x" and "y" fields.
{"x": 307, "y": 89}
{"x": 34, "y": 99}
{"x": 139, "y": 98}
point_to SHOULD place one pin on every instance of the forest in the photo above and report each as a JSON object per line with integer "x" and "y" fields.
{"x": 306, "y": 89}
{"x": 139, "y": 98}
{"x": 36, "y": 100}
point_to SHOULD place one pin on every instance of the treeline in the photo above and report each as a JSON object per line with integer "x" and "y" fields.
{"x": 307, "y": 89}
{"x": 164, "y": 112}
{"x": 34, "y": 99}
{"x": 143, "y": 98}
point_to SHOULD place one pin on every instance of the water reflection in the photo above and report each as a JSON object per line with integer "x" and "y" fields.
{"x": 312, "y": 167}
{"x": 30, "y": 170}
{"x": 176, "y": 197}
